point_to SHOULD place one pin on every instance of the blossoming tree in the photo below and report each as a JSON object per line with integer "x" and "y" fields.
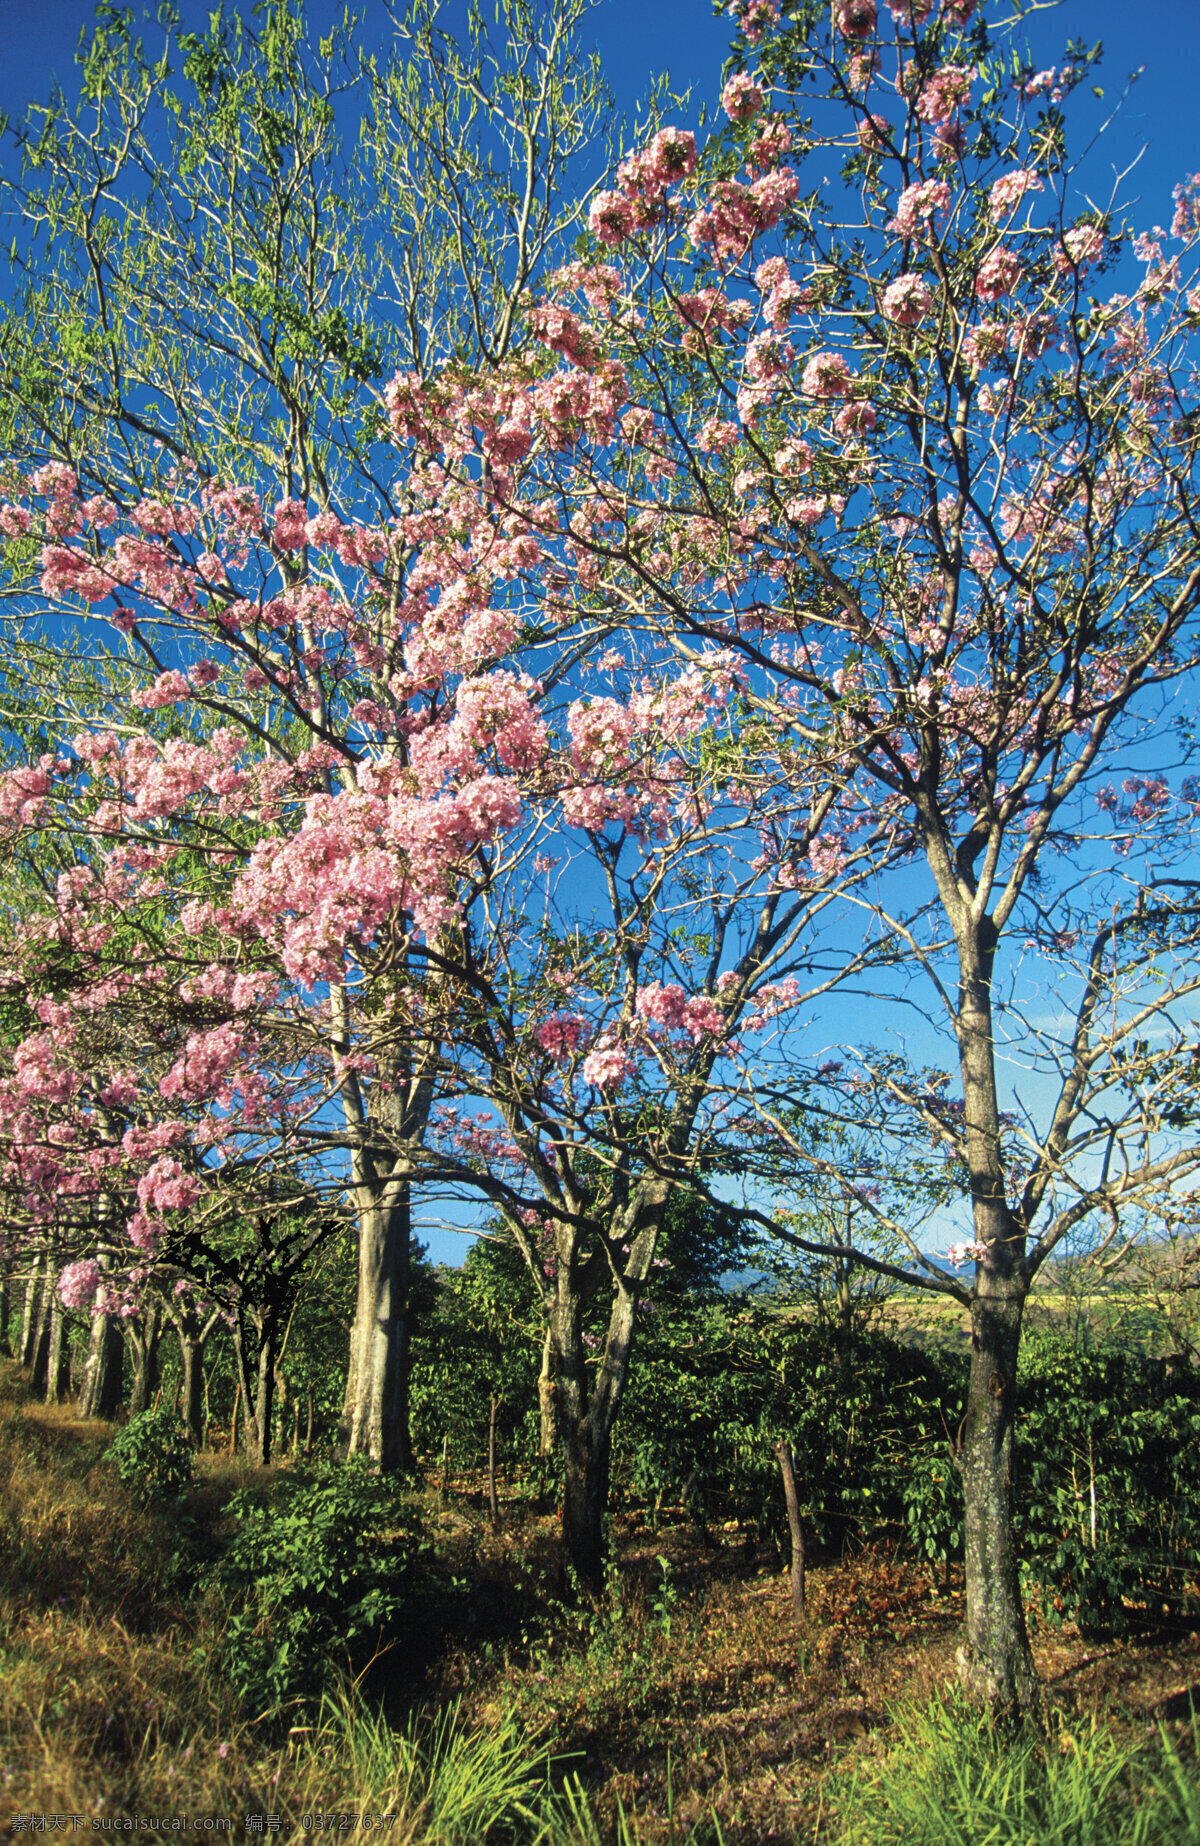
{"x": 761, "y": 632}
{"x": 214, "y": 285}
{"x": 928, "y": 478}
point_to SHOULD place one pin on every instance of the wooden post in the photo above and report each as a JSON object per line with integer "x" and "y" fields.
{"x": 787, "y": 1468}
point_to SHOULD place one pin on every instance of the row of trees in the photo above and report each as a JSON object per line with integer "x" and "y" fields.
{"x": 693, "y": 731}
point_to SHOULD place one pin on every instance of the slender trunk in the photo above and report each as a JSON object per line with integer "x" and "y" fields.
{"x": 547, "y": 1391}
{"x": 233, "y": 1416}
{"x": 308, "y": 1427}
{"x": 375, "y": 1418}
{"x": 264, "y": 1402}
{"x": 787, "y": 1470}
{"x": 5, "y": 1308}
{"x": 244, "y": 1394}
{"x": 40, "y": 1363}
{"x": 58, "y": 1357}
{"x": 31, "y": 1319}
{"x": 493, "y": 1501}
{"x": 996, "y": 1660}
{"x": 145, "y": 1361}
{"x": 191, "y": 1392}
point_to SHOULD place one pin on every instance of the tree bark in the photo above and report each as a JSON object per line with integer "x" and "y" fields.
{"x": 100, "y": 1394}
{"x": 58, "y": 1357}
{"x": 493, "y": 1500}
{"x": 145, "y": 1360}
{"x": 787, "y": 1470}
{"x": 31, "y": 1318}
{"x": 547, "y": 1392}
{"x": 375, "y": 1418}
{"x": 996, "y": 1660}
{"x": 191, "y": 1391}
{"x": 264, "y": 1398}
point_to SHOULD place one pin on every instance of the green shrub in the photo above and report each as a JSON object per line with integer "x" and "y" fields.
{"x": 319, "y": 1576}
{"x": 152, "y": 1454}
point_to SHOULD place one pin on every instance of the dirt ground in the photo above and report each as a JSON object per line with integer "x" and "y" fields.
{"x": 706, "y": 1696}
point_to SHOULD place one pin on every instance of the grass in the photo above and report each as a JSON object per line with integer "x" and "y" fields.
{"x": 949, "y": 1780}
{"x": 690, "y": 1710}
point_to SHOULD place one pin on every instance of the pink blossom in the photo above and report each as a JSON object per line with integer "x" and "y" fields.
{"x": 874, "y": 133}
{"x": 1008, "y": 191}
{"x": 168, "y": 689}
{"x": 742, "y": 98}
{"x": 943, "y": 93}
{"x": 1081, "y": 245}
{"x": 826, "y": 375}
{"x": 918, "y": 205}
{"x": 561, "y": 1034}
{"x": 166, "y": 1187}
{"x": 855, "y": 19}
{"x": 907, "y": 300}
{"x": 608, "y": 1063}
{"x": 998, "y": 274}
{"x": 78, "y": 1282}
{"x": 856, "y": 418}
{"x": 610, "y": 217}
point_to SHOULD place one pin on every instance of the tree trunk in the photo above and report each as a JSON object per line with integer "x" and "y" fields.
{"x": 243, "y": 1394}
{"x": 547, "y": 1392}
{"x": 493, "y": 1499}
{"x": 145, "y": 1360}
{"x": 31, "y": 1320}
{"x": 996, "y": 1661}
{"x": 375, "y": 1414}
{"x": 39, "y": 1365}
{"x": 191, "y": 1393}
{"x": 585, "y": 1420}
{"x": 100, "y": 1395}
{"x": 58, "y": 1357}
{"x": 787, "y": 1470}
{"x": 585, "y": 1503}
{"x": 264, "y": 1400}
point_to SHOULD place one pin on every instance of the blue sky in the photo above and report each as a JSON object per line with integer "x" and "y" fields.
{"x": 639, "y": 38}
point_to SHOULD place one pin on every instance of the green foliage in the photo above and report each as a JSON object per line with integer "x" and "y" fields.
{"x": 320, "y": 1575}
{"x": 933, "y": 1507}
{"x": 152, "y": 1454}
{"x": 1108, "y": 1483}
{"x": 955, "y": 1779}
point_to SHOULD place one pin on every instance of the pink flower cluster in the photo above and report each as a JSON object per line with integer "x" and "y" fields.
{"x": 676, "y": 1011}
{"x": 734, "y": 215}
{"x": 78, "y": 1282}
{"x": 943, "y": 93}
{"x": 855, "y": 19}
{"x": 645, "y": 177}
{"x": 917, "y": 207}
{"x": 742, "y": 98}
{"x": 907, "y": 300}
{"x": 1008, "y": 191}
{"x": 608, "y": 1063}
{"x": 561, "y": 1035}
{"x": 998, "y": 274}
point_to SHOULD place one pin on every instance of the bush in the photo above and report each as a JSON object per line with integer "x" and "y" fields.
{"x": 152, "y": 1454}
{"x": 319, "y": 1576}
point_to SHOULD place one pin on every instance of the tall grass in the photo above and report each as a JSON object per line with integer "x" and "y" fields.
{"x": 951, "y": 1780}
